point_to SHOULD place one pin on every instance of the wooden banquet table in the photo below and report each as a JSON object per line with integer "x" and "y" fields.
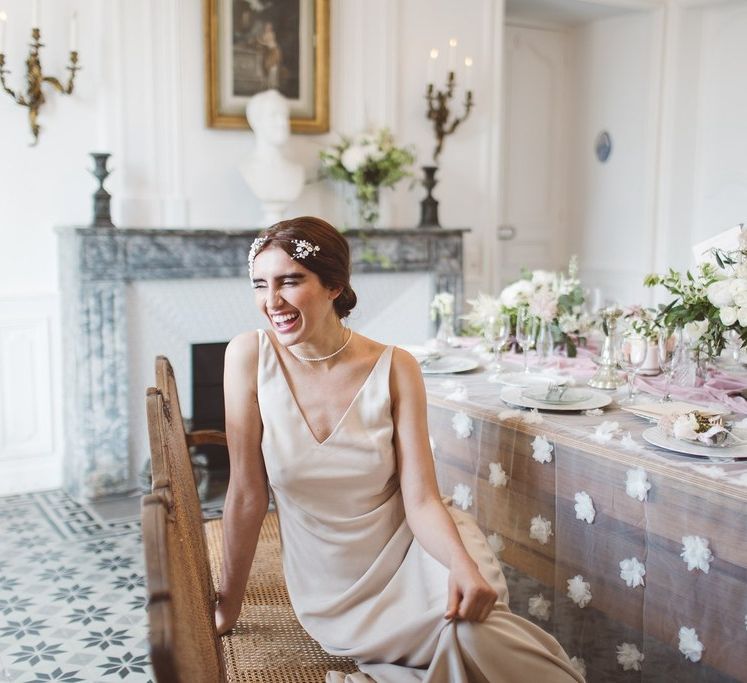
{"x": 477, "y": 439}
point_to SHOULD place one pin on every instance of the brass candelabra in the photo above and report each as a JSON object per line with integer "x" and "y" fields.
{"x": 35, "y": 78}
{"x": 439, "y": 112}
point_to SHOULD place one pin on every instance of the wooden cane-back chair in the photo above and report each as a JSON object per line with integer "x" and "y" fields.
{"x": 183, "y": 557}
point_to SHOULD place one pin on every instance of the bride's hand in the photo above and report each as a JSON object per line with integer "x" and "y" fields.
{"x": 470, "y": 596}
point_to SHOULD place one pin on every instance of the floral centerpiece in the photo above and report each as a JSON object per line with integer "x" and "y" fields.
{"x": 709, "y": 303}
{"x": 555, "y": 298}
{"x": 368, "y": 161}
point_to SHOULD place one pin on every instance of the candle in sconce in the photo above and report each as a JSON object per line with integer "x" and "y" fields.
{"x": 35, "y": 14}
{"x": 452, "y": 54}
{"x": 431, "y": 72}
{"x": 468, "y": 73}
{"x": 74, "y": 32}
{"x": 3, "y": 23}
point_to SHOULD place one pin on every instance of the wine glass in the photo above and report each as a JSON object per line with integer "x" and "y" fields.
{"x": 631, "y": 356}
{"x": 670, "y": 347}
{"x": 526, "y": 332}
{"x": 496, "y": 332}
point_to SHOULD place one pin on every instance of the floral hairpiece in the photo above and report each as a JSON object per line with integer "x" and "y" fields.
{"x": 303, "y": 249}
{"x": 253, "y": 251}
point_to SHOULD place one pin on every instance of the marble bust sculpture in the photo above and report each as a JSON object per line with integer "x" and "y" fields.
{"x": 273, "y": 179}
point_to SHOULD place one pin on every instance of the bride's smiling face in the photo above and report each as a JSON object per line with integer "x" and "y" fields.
{"x": 291, "y": 297}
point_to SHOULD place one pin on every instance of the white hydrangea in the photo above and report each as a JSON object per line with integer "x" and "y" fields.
{"x": 629, "y": 657}
{"x": 690, "y": 644}
{"x": 579, "y": 590}
{"x": 540, "y": 529}
{"x": 495, "y": 541}
{"x": 632, "y": 572}
{"x": 696, "y": 553}
{"x": 497, "y": 476}
{"x": 584, "y": 507}
{"x": 579, "y": 666}
{"x": 462, "y": 496}
{"x": 462, "y": 424}
{"x": 532, "y": 417}
{"x": 637, "y": 484}
{"x": 604, "y": 432}
{"x": 542, "y": 449}
{"x": 539, "y": 607}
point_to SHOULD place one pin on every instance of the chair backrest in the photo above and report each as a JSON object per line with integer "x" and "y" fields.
{"x": 191, "y": 596}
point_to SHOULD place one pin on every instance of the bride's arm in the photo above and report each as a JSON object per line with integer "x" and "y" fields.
{"x": 470, "y": 596}
{"x": 247, "y": 497}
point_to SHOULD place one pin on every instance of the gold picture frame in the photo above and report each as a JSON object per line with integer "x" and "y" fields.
{"x": 245, "y": 53}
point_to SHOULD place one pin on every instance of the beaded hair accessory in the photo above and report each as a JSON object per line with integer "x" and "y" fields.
{"x": 302, "y": 249}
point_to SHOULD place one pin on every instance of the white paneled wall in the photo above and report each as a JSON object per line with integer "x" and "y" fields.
{"x": 30, "y": 435}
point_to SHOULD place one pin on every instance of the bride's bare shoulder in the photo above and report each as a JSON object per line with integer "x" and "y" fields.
{"x": 243, "y": 348}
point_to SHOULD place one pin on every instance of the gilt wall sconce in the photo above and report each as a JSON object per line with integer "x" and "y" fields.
{"x": 35, "y": 78}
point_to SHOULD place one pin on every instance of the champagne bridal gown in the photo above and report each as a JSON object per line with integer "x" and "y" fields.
{"x": 359, "y": 582}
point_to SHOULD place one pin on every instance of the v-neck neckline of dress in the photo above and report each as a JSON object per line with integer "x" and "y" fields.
{"x": 297, "y": 407}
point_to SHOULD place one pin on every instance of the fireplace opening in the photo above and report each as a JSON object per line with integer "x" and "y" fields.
{"x": 208, "y": 408}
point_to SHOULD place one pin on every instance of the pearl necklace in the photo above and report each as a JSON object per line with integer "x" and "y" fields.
{"x": 331, "y": 355}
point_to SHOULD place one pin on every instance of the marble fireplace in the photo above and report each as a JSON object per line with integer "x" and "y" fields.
{"x": 129, "y": 294}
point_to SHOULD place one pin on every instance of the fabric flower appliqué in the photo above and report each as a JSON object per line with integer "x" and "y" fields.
{"x": 497, "y": 476}
{"x": 541, "y": 449}
{"x": 629, "y": 657}
{"x": 539, "y": 607}
{"x": 509, "y": 414}
{"x": 584, "y": 507}
{"x": 540, "y": 529}
{"x": 457, "y": 391}
{"x": 579, "y": 590}
{"x": 593, "y": 412}
{"x": 690, "y": 645}
{"x": 532, "y": 417}
{"x": 462, "y": 496}
{"x": 579, "y": 665}
{"x": 462, "y": 424}
{"x": 604, "y": 432}
{"x": 637, "y": 484}
{"x": 495, "y": 541}
{"x": 696, "y": 553}
{"x": 630, "y": 444}
{"x": 632, "y": 572}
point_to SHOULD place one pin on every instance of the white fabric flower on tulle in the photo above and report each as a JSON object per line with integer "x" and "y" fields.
{"x": 593, "y": 412}
{"x": 532, "y": 417}
{"x": 629, "y": 657}
{"x": 457, "y": 390}
{"x": 495, "y": 541}
{"x": 630, "y": 444}
{"x": 509, "y": 414}
{"x": 712, "y": 471}
{"x": 637, "y": 484}
{"x": 540, "y": 529}
{"x": 690, "y": 645}
{"x": 584, "y": 507}
{"x": 541, "y": 449}
{"x": 579, "y": 665}
{"x": 497, "y": 476}
{"x": 579, "y": 590}
{"x": 632, "y": 572}
{"x": 462, "y": 424}
{"x": 462, "y": 496}
{"x": 696, "y": 553}
{"x": 604, "y": 432}
{"x": 539, "y": 607}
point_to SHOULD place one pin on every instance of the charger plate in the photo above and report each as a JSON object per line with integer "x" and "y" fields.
{"x": 515, "y": 396}
{"x": 447, "y": 364}
{"x": 656, "y": 437}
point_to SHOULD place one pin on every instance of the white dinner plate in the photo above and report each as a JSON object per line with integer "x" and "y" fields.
{"x": 656, "y": 437}
{"x": 420, "y": 353}
{"x": 515, "y": 396}
{"x": 570, "y": 395}
{"x": 448, "y": 364}
{"x": 527, "y": 380}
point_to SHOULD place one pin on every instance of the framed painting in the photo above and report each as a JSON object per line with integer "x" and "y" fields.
{"x": 256, "y": 45}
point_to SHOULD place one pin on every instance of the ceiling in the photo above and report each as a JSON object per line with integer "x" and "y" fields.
{"x": 564, "y": 12}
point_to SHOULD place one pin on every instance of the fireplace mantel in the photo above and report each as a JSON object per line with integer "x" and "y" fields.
{"x": 96, "y": 265}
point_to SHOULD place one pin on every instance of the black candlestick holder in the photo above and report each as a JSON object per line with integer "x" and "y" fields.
{"x": 101, "y": 198}
{"x": 429, "y": 205}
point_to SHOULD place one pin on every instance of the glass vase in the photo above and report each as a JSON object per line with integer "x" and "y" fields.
{"x": 445, "y": 334}
{"x": 690, "y": 368}
{"x": 361, "y": 210}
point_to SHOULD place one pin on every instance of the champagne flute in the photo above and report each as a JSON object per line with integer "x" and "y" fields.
{"x": 631, "y": 356}
{"x": 496, "y": 332}
{"x": 526, "y": 331}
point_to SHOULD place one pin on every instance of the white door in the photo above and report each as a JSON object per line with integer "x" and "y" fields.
{"x": 533, "y": 227}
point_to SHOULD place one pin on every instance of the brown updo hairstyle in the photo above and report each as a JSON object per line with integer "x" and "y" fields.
{"x": 331, "y": 263}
